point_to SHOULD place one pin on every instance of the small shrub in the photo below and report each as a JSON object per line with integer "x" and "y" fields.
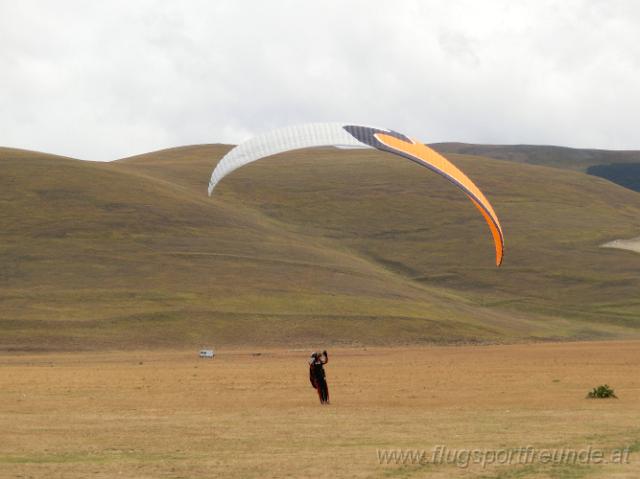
{"x": 602, "y": 392}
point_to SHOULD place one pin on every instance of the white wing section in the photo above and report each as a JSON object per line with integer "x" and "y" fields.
{"x": 281, "y": 140}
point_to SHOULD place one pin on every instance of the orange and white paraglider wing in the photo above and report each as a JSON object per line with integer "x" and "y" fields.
{"x": 358, "y": 136}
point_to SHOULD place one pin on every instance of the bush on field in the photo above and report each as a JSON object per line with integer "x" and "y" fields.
{"x": 601, "y": 392}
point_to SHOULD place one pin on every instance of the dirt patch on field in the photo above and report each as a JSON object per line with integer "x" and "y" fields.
{"x": 629, "y": 244}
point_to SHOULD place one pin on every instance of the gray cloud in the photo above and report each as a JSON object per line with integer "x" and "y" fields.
{"x": 102, "y": 80}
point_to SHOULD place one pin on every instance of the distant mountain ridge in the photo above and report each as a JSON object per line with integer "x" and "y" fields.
{"x": 620, "y": 167}
{"x": 623, "y": 174}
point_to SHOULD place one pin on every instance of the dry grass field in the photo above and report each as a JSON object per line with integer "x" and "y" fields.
{"x": 169, "y": 414}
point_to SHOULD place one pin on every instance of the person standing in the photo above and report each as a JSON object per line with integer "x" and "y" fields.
{"x": 317, "y": 375}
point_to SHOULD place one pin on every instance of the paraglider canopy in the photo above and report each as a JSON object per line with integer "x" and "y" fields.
{"x": 358, "y": 136}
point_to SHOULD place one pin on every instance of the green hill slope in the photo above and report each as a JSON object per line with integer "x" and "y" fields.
{"x": 318, "y": 246}
{"x": 391, "y": 212}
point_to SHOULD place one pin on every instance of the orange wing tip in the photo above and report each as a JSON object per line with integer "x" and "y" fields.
{"x": 444, "y": 167}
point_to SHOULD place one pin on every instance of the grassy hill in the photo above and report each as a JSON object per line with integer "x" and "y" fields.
{"x": 312, "y": 247}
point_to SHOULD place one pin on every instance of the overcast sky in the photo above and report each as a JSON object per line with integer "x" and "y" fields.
{"x": 104, "y": 80}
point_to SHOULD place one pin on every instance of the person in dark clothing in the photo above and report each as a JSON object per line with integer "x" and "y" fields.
{"x": 317, "y": 376}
